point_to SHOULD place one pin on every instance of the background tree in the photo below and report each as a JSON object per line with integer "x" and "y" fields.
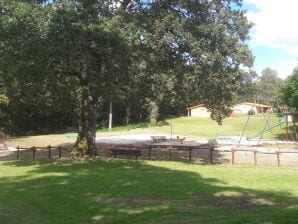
{"x": 291, "y": 90}
{"x": 269, "y": 87}
{"x": 248, "y": 90}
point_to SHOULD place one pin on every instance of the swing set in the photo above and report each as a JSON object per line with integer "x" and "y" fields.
{"x": 284, "y": 118}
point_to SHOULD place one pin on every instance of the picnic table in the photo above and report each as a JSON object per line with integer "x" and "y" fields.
{"x": 124, "y": 150}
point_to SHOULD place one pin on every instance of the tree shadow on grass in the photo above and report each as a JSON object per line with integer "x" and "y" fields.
{"x": 122, "y": 191}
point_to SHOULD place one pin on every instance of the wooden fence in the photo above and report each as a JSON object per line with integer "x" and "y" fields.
{"x": 34, "y": 149}
{"x": 212, "y": 155}
{"x": 255, "y": 154}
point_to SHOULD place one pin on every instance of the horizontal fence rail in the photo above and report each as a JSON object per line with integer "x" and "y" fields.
{"x": 34, "y": 149}
{"x": 255, "y": 152}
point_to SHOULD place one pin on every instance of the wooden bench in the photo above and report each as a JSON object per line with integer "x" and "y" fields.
{"x": 125, "y": 150}
{"x": 158, "y": 138}
{"x": 178, "y": 139}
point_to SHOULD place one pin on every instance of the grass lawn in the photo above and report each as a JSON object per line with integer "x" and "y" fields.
{"x": 205, "y": 127}
{"x": 183, "y": 126}
{"x": 123, "y": 191}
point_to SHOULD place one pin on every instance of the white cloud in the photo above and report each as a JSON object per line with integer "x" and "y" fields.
{"x": 285, "y": 68}
{"x": 275, "y": 24}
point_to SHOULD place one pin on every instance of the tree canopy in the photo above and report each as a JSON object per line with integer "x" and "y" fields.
{"x": 291, "y": 90}
{"x": 269, "y": 86}
{"x": 65, "y": 59}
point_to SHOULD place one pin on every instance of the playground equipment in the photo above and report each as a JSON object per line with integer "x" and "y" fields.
{"x": 291, "y": 117}
{"x": 285, "y": 118}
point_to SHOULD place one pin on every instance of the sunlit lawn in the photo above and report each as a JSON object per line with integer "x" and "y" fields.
{"x": 205, "y": 127}
{"x": 183, "y": 126}
{"x": 125, "y": 191}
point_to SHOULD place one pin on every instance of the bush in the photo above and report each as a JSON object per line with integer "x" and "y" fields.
{"x": 251, "y": 112}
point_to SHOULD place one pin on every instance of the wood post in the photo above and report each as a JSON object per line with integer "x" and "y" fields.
{"x": 190, "y": 154}
{"x": 60, "y": 151}
{"x": 255, "y": 157}
{"x": 50, "y": 151}
{"x": 170, "y": 152}
{"x": 149, "y": 152}
{"x": 130, "y": 151}
{"x": 278, "y": 158}
{"x": 33, "y": 152}
{"x": 233, "y": 156}
{"x": 295, "y": 130}
{"x": 211, "y": 155}
{"x": 18, "y": 153}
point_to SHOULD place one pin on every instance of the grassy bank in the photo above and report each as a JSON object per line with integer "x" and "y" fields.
{"x": 119, "y": 191}
{"x": 205, "y": 127}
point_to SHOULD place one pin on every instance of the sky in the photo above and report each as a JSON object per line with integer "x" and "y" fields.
{"x": 274, "y": 37}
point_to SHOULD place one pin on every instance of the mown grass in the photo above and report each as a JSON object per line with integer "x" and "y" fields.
{"x": 206, "y": 127}
{"x": 121, "y": 191}
{"x": 182, "y": 126}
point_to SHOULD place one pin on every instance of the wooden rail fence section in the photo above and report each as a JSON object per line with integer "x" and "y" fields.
{"x": 34, "y": 149}
{"x": 255, "y": 152}
{"x": 130, "y": 150}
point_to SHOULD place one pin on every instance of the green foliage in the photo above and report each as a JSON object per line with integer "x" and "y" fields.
{"x": 269, "y": 87}
{"x": 291, "y": 90}
{"x": 251, "y": 112}
{"x": 247, "y": 91}
{"x": 4, "y": 101}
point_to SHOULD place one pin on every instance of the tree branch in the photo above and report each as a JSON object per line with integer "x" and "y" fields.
{"x": 125, "y": 3}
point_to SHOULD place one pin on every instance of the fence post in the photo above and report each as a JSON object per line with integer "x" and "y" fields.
{"x": 130, "y": 151}
{"x": 50, "y": 151}
{"x": 190, "y": 154}
{"x": 33, "y": 152}
{"x": 255, "y": 157}
{"x": 233, "y": 156}
{"x": 149, "y": 152}
{"x": 211, "y": 155}
{"x": 60, "y": 151}
{"x": 18, "y": 152}
{"x": 278, "y": 158}
{"x": 170, "y": 153}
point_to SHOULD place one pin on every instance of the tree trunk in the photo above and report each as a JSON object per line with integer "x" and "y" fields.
{"x": 111, "y": 115}
{"x": 127, "y": 119}
{"x": 85, "y": 144}
{"x": 153, "y": 112}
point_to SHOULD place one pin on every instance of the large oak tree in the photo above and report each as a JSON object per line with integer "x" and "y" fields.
{"x": 165, "y": 53}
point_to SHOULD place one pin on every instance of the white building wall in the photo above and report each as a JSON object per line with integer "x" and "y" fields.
{"x": 200, "y": 112}
{"x": 244, "y": 108}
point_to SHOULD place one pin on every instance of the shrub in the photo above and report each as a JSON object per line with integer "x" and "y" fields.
{"x": 251, "y": 112}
